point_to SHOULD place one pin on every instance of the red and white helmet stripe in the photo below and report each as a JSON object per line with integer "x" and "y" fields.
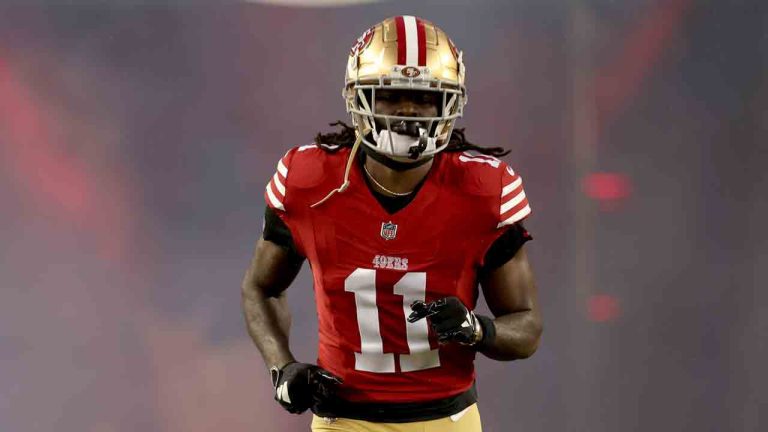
{"x": 411, "y": 41}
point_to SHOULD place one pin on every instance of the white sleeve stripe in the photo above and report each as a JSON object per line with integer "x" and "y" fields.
{"x": 525, "y": 211}
{"x": 494, "y": 163}
{"x": 278, "y": 185}
{"x": 514, "y": 209}
{"x": 472, "y": 159}
{"x": 276, "y": 203}
{"x": 282, "y": 169}
{"x": 307, "y": 147}
{"x": 513, "y": 202}
{"x": 472, "y": 154}
{"x": 510, "y": 187}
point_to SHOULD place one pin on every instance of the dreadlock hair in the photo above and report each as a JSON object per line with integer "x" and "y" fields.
{"x": 345, "y": 137}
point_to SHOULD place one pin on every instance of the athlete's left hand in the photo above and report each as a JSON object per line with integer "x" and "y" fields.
{"x": 450, "y": 319}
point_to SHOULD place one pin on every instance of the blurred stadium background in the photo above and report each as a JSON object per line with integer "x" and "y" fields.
{"x": 136, "y": 139}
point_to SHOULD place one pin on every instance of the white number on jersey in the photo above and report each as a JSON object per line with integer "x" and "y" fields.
{"x": 372, "y": 358}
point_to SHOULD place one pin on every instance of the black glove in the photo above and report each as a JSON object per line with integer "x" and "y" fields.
{"x": 299, "y": 386}
{"x": 453, "y": 322}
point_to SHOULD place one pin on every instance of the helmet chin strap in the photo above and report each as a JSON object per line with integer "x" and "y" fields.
{"x": 395, "y": 165}
{"x": 416, "y": 150}
{"x": 350, "y": 161}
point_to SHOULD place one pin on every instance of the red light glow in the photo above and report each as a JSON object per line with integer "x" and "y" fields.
{"x": 607, "y": 188}
{"x": 603, "y": 308}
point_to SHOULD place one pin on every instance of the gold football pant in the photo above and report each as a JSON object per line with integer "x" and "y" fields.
{"x": 465, "y": 421}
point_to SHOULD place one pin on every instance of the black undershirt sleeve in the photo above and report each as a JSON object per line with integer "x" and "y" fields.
{"x": 276, "y": 231}
{"x": 505, "y": 247}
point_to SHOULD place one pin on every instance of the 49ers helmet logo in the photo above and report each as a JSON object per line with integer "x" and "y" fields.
{"x": 362, "y": 42}
{"x": 410, "y": 72}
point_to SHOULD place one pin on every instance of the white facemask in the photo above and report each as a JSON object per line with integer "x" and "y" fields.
{"x": 400, "y": 144}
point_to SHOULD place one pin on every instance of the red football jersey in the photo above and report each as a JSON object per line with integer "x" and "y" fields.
{"x": 368, "y": 265}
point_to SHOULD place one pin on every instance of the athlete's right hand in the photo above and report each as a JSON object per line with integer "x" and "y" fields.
{"x": 298, "y": 386}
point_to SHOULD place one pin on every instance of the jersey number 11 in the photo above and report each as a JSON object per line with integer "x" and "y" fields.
{"x": 412, "y": 286}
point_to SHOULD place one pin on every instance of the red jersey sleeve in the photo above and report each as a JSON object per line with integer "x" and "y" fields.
{"x": 514, "y": 205}
{"x": 276, "y": 189}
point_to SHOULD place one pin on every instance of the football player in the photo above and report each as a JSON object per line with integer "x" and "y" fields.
{"x": 401, "y": 220}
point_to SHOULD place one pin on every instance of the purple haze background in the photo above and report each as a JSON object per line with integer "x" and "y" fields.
{"x": 136, "y": 139}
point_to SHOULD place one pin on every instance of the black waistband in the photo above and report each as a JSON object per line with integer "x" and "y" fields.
{"x": 397, "y": 412}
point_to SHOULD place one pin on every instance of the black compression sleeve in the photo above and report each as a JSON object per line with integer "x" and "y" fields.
{"x": 505, "y": 247}
{"x": 276, "y": 231}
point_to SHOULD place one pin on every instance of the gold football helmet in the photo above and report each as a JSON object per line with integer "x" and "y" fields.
{"x": 404, "y": 53}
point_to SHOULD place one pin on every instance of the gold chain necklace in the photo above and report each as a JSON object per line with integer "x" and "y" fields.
{"x": 400, "y": 194}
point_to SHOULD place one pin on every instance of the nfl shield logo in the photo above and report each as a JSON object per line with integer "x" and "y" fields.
{"x": 388, "y": 230}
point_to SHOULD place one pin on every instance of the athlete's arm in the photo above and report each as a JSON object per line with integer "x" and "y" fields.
{"x": 267, "y": 317}
{"x": 510, "y": 292}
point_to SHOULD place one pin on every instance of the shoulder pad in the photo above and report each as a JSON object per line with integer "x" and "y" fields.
{"x": 302, "y": 167}
{"x": 474, "y": 174}
{"x": 487, "y": 176}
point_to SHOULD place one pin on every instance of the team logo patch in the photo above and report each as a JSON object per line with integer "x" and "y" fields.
{"x": 362, "y": 42}
{"x": 388, "y": 230}
{"x": 410, "y": 72}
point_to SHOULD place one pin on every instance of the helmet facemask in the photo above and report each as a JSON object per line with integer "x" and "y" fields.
{"x": 404, "y": 138}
